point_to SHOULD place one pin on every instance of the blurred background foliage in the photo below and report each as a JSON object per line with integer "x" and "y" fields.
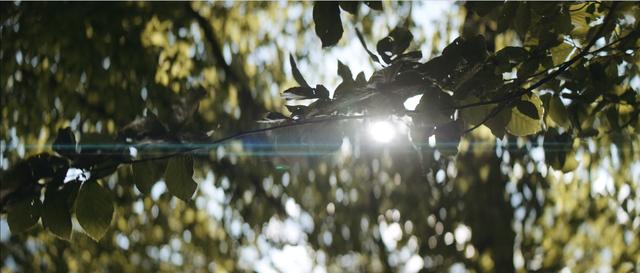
{"x": 500, "y": 205}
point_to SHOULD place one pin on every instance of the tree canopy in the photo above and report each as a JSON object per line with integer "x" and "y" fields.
{"x": 328, "y": 137}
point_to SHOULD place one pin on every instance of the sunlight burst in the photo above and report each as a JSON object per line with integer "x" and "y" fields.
{"x": 382, "y": 131}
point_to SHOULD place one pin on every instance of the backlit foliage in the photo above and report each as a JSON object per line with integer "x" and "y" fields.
{"x": 201, "y": 137}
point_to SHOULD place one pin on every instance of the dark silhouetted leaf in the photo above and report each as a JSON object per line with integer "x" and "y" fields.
{"x": 56, "y": 216}
{"x": 275, "y": 116}
{"x": 474, "y": 50}
{"x": 297, "y": 93}
{"x": 527, "y": 69}
{"x": 512, "y": 54}
{"x": 147, "y": 173}
{"x": 296, "y": 73}
{"x": 350, "y": 6}
{"x": 344, "y": 72}
{"x": 94, "y": 209}
{"x": 179, "y": 177}
{"x": 522, "y": 124}
{"x": 146, "y": 127}
{"x": 448, "y": 137}
{"x": 328, "y": 26}
{"x": 528, "y": 109}
{"x": 385, "y": 49}
{"x": 360, "y": 79}
{"x": 24, "y": 214}
{"x": 297, "y": 109}
{"x": 395, "y": 44}
{"x": 321, "y": 92}
{"x": 65, "y": 143}
{"x": 376, "y": 5}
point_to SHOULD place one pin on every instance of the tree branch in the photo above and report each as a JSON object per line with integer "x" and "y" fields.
{"x": 549, "y": 76}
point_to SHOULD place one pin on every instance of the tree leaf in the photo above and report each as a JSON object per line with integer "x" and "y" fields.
{"x": 448, "y": 138}
{"x": 474, "y": 115}
{"x": 56, "y": 216}
{"x": 499, "y": 122}
{"x": 394, "y": 44}
{"x": 350, "y": 6}
{"x": 560, "y": 54}
{"x": 511, "y": 55}
{"x": 528, "y": 109}
{"x": 361, "y": 79}
{"x": 328, "y": 26}
{"x": 474, "y": 50}
{"x": 179, "y": 177}
{"x": 528, "y": 68}
{"x": 24, "y": 214}
{"x": 65, "y": 143}
{"x": 275, "y": 116}
{"x": 296, "y": 73}
{"x": 298, "y": 93}
{"x": 94, "y": 209}
{"x": 147, "y": 173}
{"x": 344, "y": 72}
{"x": 523, "y": 124}
{"x": 558, "y": 112}
{"x": 321, "y": 92}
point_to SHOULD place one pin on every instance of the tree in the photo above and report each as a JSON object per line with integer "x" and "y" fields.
{"x": 520, "y": 150}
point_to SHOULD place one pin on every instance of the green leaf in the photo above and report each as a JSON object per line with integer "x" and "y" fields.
{"x": 147, "y": 173}
{"x": 474, "y": 115}
{"x": 179, "y": 177}
{"x": 94, "y": 209}
{"x": 522, "y": 124}
{"x": 328, "y": 26}
{"x": 561, "y": 53}
{"x": 24, "y": 214}
{"x": 558, "y": 112}
{"x": 498, "y": 124}
{"x": 296, "y": 73}
{"x": 528, "y": 109}
{"x": 56, "y": 216}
